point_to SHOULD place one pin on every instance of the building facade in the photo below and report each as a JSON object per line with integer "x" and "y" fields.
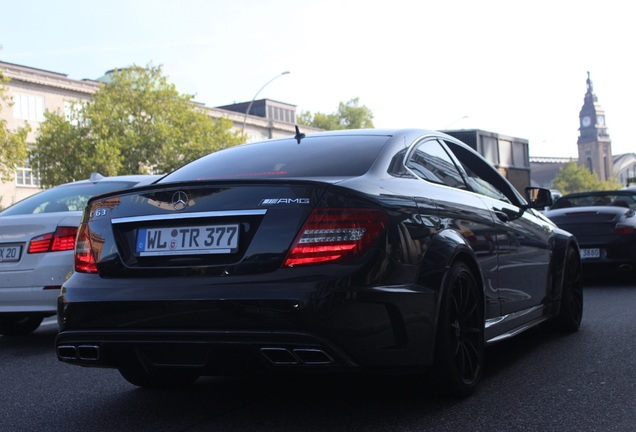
{"x": 274, "y": 117}
{"x": 34, "y": 91}
{"x": 510, "y": 155}
{"x": 625, "y": 168}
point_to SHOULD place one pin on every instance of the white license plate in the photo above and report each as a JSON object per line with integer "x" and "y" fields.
{"x": 191, "y": 240}
{"x": 10, "y": 253}
{"x": 590, "y": 253}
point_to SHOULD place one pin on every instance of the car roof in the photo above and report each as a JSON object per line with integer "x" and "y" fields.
{"x": 137, "y": 178}
{"x": 367, "y": 132}
{"x": 350, "y": 145}
{"x": 377, "y": 132}
{"x": 49, "y": 193}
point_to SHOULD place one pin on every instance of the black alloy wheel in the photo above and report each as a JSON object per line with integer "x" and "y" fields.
{"x": 571, "y": 312}
{"x": 460, "y": 337}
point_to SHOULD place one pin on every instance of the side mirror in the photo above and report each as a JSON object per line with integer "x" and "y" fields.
{"x": 538, "y": 198}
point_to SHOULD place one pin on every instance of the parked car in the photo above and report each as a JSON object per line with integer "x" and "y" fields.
{"x": 37, "y": 242}
{"x": 604, "y": 224}
{"x": 362, "y": 250}
{"x": 556, "y": 194}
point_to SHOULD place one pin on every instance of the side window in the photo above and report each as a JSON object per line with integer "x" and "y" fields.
{"x": 481, "y": 177}
{"x": 430, "y": 162}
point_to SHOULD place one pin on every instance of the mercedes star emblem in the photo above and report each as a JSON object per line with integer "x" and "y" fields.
{"x": 180, "y": 200}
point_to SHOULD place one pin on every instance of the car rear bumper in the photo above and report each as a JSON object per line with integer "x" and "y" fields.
{"x": 34, "y": 288}
{"x": 287, "y": 328}
{"x": 202, "y": 352}
{"x": 29, "y": 299}
{"x": 619, "y": 256}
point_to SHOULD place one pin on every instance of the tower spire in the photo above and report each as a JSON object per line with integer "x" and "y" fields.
{"x": 594, "y": 144}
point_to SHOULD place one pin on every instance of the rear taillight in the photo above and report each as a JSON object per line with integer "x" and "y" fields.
{"x": 63, "y": 239}
{"x": 84, "y": 259}
{"x": 331, "y": 235}
{"x": 624, "y": 230}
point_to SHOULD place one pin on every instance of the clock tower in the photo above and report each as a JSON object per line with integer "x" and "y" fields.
{"x": 595, "y": 146}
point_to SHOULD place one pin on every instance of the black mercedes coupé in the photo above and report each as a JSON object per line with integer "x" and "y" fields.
{"x": 360, "y": 250}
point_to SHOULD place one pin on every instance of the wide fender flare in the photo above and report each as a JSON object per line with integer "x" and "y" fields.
{"x": 561, "y": 241}
{"x": 446, "y": 248}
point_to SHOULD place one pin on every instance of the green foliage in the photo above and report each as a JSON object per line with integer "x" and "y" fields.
{"x": 348, "y": 116}
{"x": 137, "y": 123}
{"x": 13, "y": 144}
{"x": 573, "y": 178}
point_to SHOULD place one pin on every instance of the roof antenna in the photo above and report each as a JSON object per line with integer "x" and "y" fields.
{"x": 298, "y": 135}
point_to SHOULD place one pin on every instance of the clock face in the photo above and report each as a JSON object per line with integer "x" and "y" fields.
{"x": 586, "y": 121}
{"x": 600, "y": 120}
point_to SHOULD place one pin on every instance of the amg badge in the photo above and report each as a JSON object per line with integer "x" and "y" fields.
{"x": 276, "y": 201}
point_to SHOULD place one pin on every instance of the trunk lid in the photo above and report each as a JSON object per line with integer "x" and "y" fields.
{"x": 16, "y": 233}
{"x": 590, "y": 224}
{"x": 200, "y": 227}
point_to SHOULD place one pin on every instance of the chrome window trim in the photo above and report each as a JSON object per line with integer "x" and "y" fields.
{"x": 189, "y": 216}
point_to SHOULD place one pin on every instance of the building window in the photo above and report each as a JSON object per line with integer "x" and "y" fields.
{"x": 280, "y": 114}
{"x": 28, "y": 107}
{"x": 25, "y": 176}
{"x": 73, "y": 113}
{"x": 68, "y": 111}
{"x": 505, "y": 153}
{"x": 519, "y": 155}
{"x": 489, "y": 149}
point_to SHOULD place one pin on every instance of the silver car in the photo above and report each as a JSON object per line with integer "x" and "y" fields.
{"x": 37, "y": 241}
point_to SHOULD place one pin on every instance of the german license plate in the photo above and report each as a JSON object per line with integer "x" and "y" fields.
{"x": 191, "y": 240}
{"x": 590, "y": 253}
{"x": 10, "y": 253}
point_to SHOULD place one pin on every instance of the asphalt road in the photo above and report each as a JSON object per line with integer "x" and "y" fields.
{"x": 537, "y": 382}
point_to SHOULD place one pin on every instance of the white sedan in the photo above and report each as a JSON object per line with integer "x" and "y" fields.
{"x": 37, "y": 241}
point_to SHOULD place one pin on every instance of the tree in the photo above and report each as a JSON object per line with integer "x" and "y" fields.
{"x": 136, "y": 123}
{"x": 573, "y": 178}
{"x": 348, "y": 116}
{"x": 13, "y": 144}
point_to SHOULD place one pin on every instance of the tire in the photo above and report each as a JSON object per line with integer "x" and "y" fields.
{"x": 571, "y": 310}
{"x": 139, "y": 377}
{"x": 19, "y": 325}
{"x": 459, "y": 353}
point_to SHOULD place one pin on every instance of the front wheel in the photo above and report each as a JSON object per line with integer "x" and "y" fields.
{"x": 19, "y": 325}
{"x": 459, "y": 354}
{"x": 571, "y": 311}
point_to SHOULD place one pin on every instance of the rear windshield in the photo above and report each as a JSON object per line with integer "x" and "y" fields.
{"x": 608, "y": 199}
{"x": 326, "y": 156}
{"x": 71, "y": 197}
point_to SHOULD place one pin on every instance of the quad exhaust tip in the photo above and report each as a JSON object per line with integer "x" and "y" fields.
{"x": 79, "y": 352}
{"x": 297, "y": 356}
{"x": 276, "y": 355}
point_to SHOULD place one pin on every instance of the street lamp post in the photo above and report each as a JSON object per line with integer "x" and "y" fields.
{"x": 455, "y": 121}
{"x": 249, "y": 107}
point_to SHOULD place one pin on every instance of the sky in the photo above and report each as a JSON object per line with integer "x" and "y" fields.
{"x": 515, "y": 68}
